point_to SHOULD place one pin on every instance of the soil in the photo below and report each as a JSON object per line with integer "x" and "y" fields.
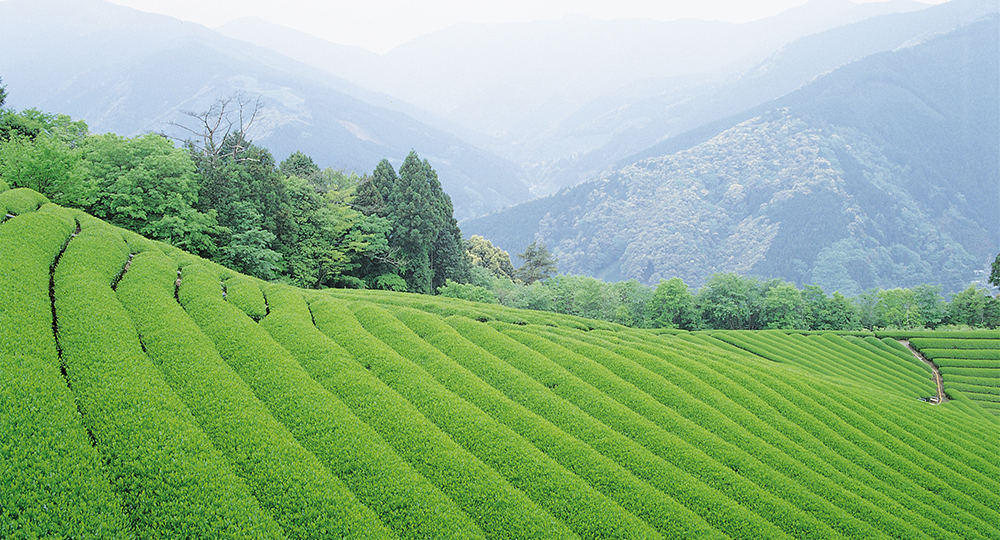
{"x": 941, "y": 396}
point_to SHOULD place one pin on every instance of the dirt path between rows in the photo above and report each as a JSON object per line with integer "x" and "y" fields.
{"x": 941, "y": 396}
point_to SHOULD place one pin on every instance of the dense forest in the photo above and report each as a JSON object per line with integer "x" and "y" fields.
{"x": 222, "y": 197}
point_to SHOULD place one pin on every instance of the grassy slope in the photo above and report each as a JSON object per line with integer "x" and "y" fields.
{"x": 149, "y": 393}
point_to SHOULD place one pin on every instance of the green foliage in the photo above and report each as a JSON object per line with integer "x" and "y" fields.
{"x": 672, "y": 306}
{"x": 470, "y": 292}
{"x": 171, "y": 479}
{"x": 289, "y": 482}
{"x": 52, "y": 480}
{"x": 974, "y": 307}
{"x": 146, "y": 185}
{"x": 538, "y": 264}
{"x": 484, "y": 254}
{"x": 46, "y": 165}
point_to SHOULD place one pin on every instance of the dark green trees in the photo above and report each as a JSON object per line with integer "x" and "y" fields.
{"x": 538, "y": 265}
{"x": 425, "y": 238}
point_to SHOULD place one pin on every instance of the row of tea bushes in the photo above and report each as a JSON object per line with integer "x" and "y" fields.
{"x": 455, "y": 363}
{"x": 376, "y": 430}
{"x": 302, "y": 495}
{"x": 172, "y": 481}
{"x": 811, "y": 409}
{"x": 52, "y": 482}
{"x": 532, "y": 487}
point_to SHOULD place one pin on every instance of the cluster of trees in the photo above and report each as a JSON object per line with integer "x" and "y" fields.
{"x": 224, "y": 198}
{"x": 726, "y": 301}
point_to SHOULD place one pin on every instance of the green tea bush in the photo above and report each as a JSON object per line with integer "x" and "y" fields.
{"x": 779, "y": 460}
{"x": 942, "y": 343}
{"x": 320, "y": 422}
{"x": 660, "y": 427}
{"x": 455, "y": 363}
{"x": 993, "y": 380}
{"x": 244, "y": 293}
{"x": 942, "y": 334}
{"x": 515, "y": 475}
{"x": 19, "y": 201}
{"x": 987, "y": 355}
{"x": 950, "y": 362}
{"x": 172, "y": 481}
{"x": 52, "y": 481}
{"x": 302, "y": 495}
{"x": 884, "y": 463}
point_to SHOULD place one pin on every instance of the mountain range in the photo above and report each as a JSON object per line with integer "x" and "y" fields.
{"x": 882, "y": 173}
{"x": 508, "y": 112}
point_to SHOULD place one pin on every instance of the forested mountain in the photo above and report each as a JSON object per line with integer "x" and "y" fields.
{"x": 129, "y": 72}
{"x": 541, "y": 93}
{"x": 625, "y": 123}
{"x": 882, "y": 173}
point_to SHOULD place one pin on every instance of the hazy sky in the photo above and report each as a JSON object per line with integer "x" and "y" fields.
{"x": 381, "y": 24}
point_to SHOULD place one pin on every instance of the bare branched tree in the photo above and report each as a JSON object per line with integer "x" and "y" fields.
{"x": 228, "y": 119}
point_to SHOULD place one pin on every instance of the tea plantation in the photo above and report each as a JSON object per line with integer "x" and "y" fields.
{"x": 147, "y": 393}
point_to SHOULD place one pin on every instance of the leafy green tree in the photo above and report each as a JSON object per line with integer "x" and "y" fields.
{"x": 3, "y": 92}
{"x": 931, "y": 304}
{"x": 673, "y": 306}
{"x": 783, "y": 307}
{"x": 898, "y": 308}
{"x": 482, "y": 253}
{"x": 632, "y": 298}
{"x": 467, "y": 291}
{"x": 731, "y": 302}
{"x": 46, "y": 165}
{"x": 538, "y": 265}
{"x": 146, "y": 185}
{"x": 969, "y": 307}
{"x": 299, "y": 165}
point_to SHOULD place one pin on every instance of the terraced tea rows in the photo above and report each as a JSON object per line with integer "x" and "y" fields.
{"x": 147, "y": 393}
{"x": 969, "y": 364}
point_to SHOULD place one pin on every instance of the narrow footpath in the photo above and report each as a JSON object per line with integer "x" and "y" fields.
{"x": 941, "y": 396}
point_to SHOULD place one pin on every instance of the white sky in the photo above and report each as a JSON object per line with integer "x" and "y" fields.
{"x": 379, "y": 25}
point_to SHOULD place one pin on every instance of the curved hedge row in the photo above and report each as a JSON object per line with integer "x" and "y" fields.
{"x": 455, "y": 363}
{"x": 301, "y": 494}
{"x": 895, "y": 474}
{"x": 311, "y": 414}
{"x": 944, "y": 334}
{"x": 52, "y": 481}
{"x": 950, "y": 362}
{"x": 172, "y": 481}
{"x": 992, "y": 355}
{"x": 950, "y": 343}
{"x": 17, "y": 201}
{"x": 517, "y": 463}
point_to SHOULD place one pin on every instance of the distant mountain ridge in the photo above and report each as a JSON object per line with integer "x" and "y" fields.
{"x": 883, "y": 173}
{"x": 129, "y": 72}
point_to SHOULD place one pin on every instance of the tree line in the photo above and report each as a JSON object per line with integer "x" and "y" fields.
{"x": 221, "y": 197}
{"x": 726, "y": 301}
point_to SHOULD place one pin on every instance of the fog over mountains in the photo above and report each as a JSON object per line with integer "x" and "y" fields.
{"x": 509, "y": 112}
{"x": 883, "y": 173}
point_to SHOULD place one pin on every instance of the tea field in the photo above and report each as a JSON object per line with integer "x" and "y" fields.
{"x": 147, "y": 393}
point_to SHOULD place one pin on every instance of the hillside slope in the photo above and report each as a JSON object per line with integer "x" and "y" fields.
{"x": 129, "y": 72}
{"x": 883, "y": 173}
{"x": 148, "y": 393}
